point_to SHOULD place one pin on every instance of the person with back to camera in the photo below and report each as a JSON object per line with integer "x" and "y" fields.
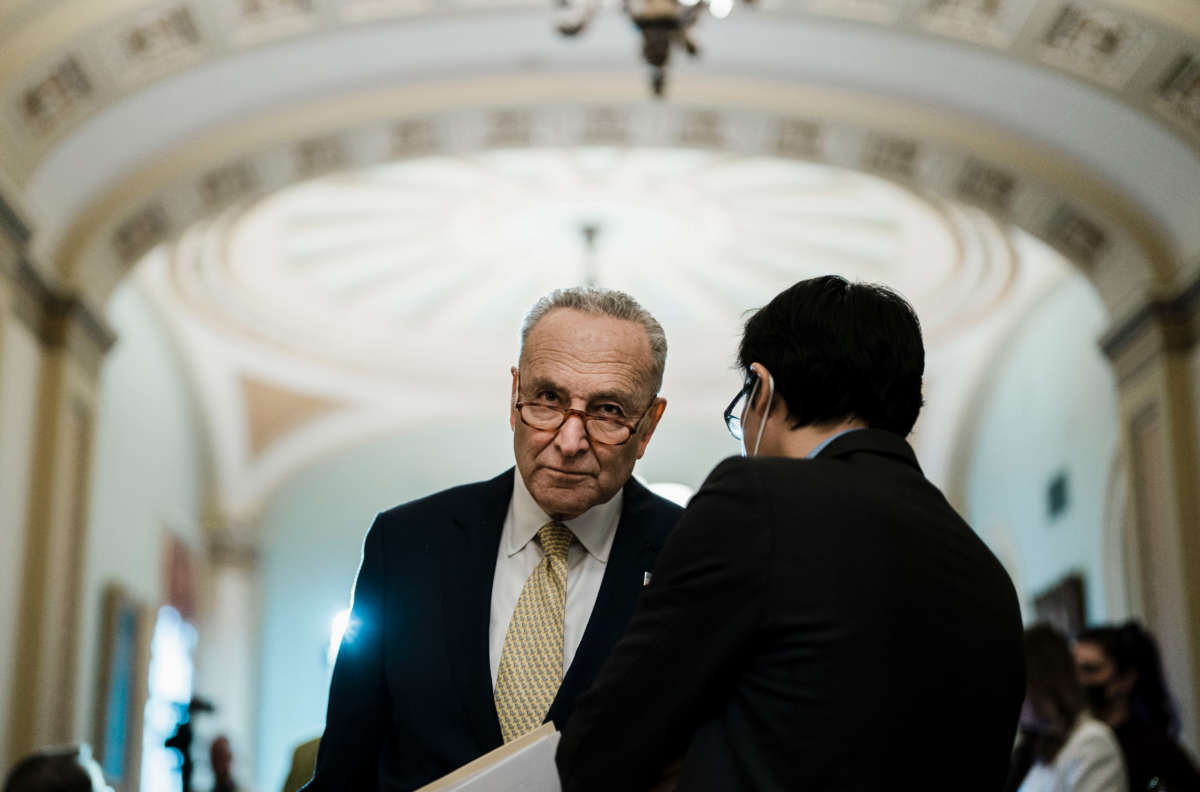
{"x": 821, "y": 618}
{"x": 1122, "y": 678}
{"x": 1062, "y": 748}
{"x": 70, "y": 769}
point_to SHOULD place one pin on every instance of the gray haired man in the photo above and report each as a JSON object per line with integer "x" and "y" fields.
{"x": 484, "y": 610}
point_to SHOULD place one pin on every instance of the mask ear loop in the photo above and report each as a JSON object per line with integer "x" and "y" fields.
{"x": 767, "y": 414}
{"x": 749, "y": 401}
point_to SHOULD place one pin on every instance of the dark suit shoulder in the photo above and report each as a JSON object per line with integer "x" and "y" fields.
{"x": 649, "y": 512}
{"x": 758, "y": 478}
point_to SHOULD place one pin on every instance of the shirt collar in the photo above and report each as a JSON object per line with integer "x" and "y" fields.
{"x": 594, "y": 529}
{"x": 827, "y": 441}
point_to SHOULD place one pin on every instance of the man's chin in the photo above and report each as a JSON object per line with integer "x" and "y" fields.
{"x": 565, "y": 497}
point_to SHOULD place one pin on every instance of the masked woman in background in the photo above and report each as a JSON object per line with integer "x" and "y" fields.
{"x": 1061, "y": 747}
{"x": 1123, "y": 680}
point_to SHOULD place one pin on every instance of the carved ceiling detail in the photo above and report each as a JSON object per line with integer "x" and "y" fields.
{"x": 1152, "y": 64}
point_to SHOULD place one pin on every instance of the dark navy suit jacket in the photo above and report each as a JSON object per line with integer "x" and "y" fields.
{"x": 826, "y": 625}
{"x": 411, "y": 696}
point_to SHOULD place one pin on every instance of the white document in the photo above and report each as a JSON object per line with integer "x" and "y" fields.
{"x": 524, "y": 765}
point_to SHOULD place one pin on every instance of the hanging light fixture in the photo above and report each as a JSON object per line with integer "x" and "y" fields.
{"x": 665, "y": 25}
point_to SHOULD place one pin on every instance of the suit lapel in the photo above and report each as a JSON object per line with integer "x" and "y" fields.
{"x": 632, "y": 555}
{"x": 468, "y": 567}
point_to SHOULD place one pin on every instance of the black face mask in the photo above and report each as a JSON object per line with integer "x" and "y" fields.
{"x": 1097, "y": 696}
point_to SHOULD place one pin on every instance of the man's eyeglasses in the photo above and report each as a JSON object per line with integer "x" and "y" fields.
{"x": 606, "y": 429}
{"x": 733, "y": 413}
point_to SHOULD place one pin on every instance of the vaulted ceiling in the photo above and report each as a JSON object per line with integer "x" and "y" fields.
{"x": 331, "y": 188}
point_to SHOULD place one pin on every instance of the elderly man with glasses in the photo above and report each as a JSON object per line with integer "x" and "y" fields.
{"x": 482, "y": 611}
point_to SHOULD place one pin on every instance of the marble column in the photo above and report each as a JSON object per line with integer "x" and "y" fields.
{"x": 1155, "y": 353}
{"x": 53, "y": 344}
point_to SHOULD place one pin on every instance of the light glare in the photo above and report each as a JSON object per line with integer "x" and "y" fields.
{"x": 336, "y": 632}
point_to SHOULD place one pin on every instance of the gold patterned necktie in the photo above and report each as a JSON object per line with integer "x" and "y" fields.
{"x": 531, "y": 662}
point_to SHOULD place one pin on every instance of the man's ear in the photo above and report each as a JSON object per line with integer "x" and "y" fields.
{"x": 764, "y": 391}
{"x": 512, "y": 403}
{"x": 657, "y": 407}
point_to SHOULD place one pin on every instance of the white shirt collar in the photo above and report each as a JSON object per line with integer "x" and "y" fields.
{"x": 594, "y": 529}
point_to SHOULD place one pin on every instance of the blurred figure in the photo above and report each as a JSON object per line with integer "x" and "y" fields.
{"x": 304, "y": 762}
{"x": 220, "y": 758}
{"x": 57, "y": 770}
{"x": 181, "y": 740}
{"x": 1061, "y": 747}
{"x": 1122, "y": 678}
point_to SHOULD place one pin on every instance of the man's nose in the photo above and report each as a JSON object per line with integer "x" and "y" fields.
{"x": 572, "y": 438}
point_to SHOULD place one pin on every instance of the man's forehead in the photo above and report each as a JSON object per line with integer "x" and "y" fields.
{"x": 587, "y": 353}
{"x": 588, "y": 339}
{"x": 575, "y": 326}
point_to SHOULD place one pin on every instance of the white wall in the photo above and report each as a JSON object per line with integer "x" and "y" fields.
{"x": 1051, "y": 406}
{"x": 19, "y": 367}
{"x": 146, "y": 474}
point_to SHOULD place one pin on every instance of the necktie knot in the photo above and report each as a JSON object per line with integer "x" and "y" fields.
{"x": 555, "y": 539}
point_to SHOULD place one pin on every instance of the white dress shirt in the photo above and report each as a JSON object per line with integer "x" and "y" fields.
{"x": 1089, "y": 762}
{"x": 519, "y": 555}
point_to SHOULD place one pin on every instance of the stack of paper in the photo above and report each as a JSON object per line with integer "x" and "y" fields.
{"x": 524, "y": 765}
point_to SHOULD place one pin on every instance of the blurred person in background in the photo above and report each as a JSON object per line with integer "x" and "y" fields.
{"x": 70, "y": 769}
{"x": 304, "y": 761}
{"x": 1061, "y": 747}
{"x": 220, "y": 758}
{"x": 1122, "y": 678}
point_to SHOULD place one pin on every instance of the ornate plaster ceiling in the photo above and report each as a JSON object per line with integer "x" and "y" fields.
{"x": 177, "y": 129}
{"x": 366, "y": 301}
{"x": 128, "y": 120}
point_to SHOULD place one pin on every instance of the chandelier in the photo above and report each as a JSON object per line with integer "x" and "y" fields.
{"x": 664, "y": 25}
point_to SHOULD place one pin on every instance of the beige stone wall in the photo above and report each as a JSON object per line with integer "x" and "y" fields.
{"x": 1155, "y": 355}
{"x": 19, "y": 366}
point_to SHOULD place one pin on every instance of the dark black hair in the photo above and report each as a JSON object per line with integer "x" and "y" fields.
{"x": 1131, "y": 647}
{"x": 838, "y": 350}
{"x": 52, "y": 770}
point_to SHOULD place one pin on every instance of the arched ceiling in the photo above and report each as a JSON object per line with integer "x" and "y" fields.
{"x": 96, "y": 91}
{"x": 222, "y": 137}
{"x": 362, "y": 304}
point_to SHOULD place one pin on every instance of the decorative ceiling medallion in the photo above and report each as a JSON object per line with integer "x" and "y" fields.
{"x": 1096, "y": 43}
{"x": 252, "y": 22}
{"x": 154, "y": 43}
{"x": 463, "y": 138}
{"x": 992, "y": 23}
{"x": 53, "y": 98}
{"x": 1178, "y": 94}
{"x": 1143, "y": 59}
{"x": 141, "y": 232}
{"x": 368, "y": 270}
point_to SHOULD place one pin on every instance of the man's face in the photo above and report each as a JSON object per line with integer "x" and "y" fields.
{"x": 597, "y": 364}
